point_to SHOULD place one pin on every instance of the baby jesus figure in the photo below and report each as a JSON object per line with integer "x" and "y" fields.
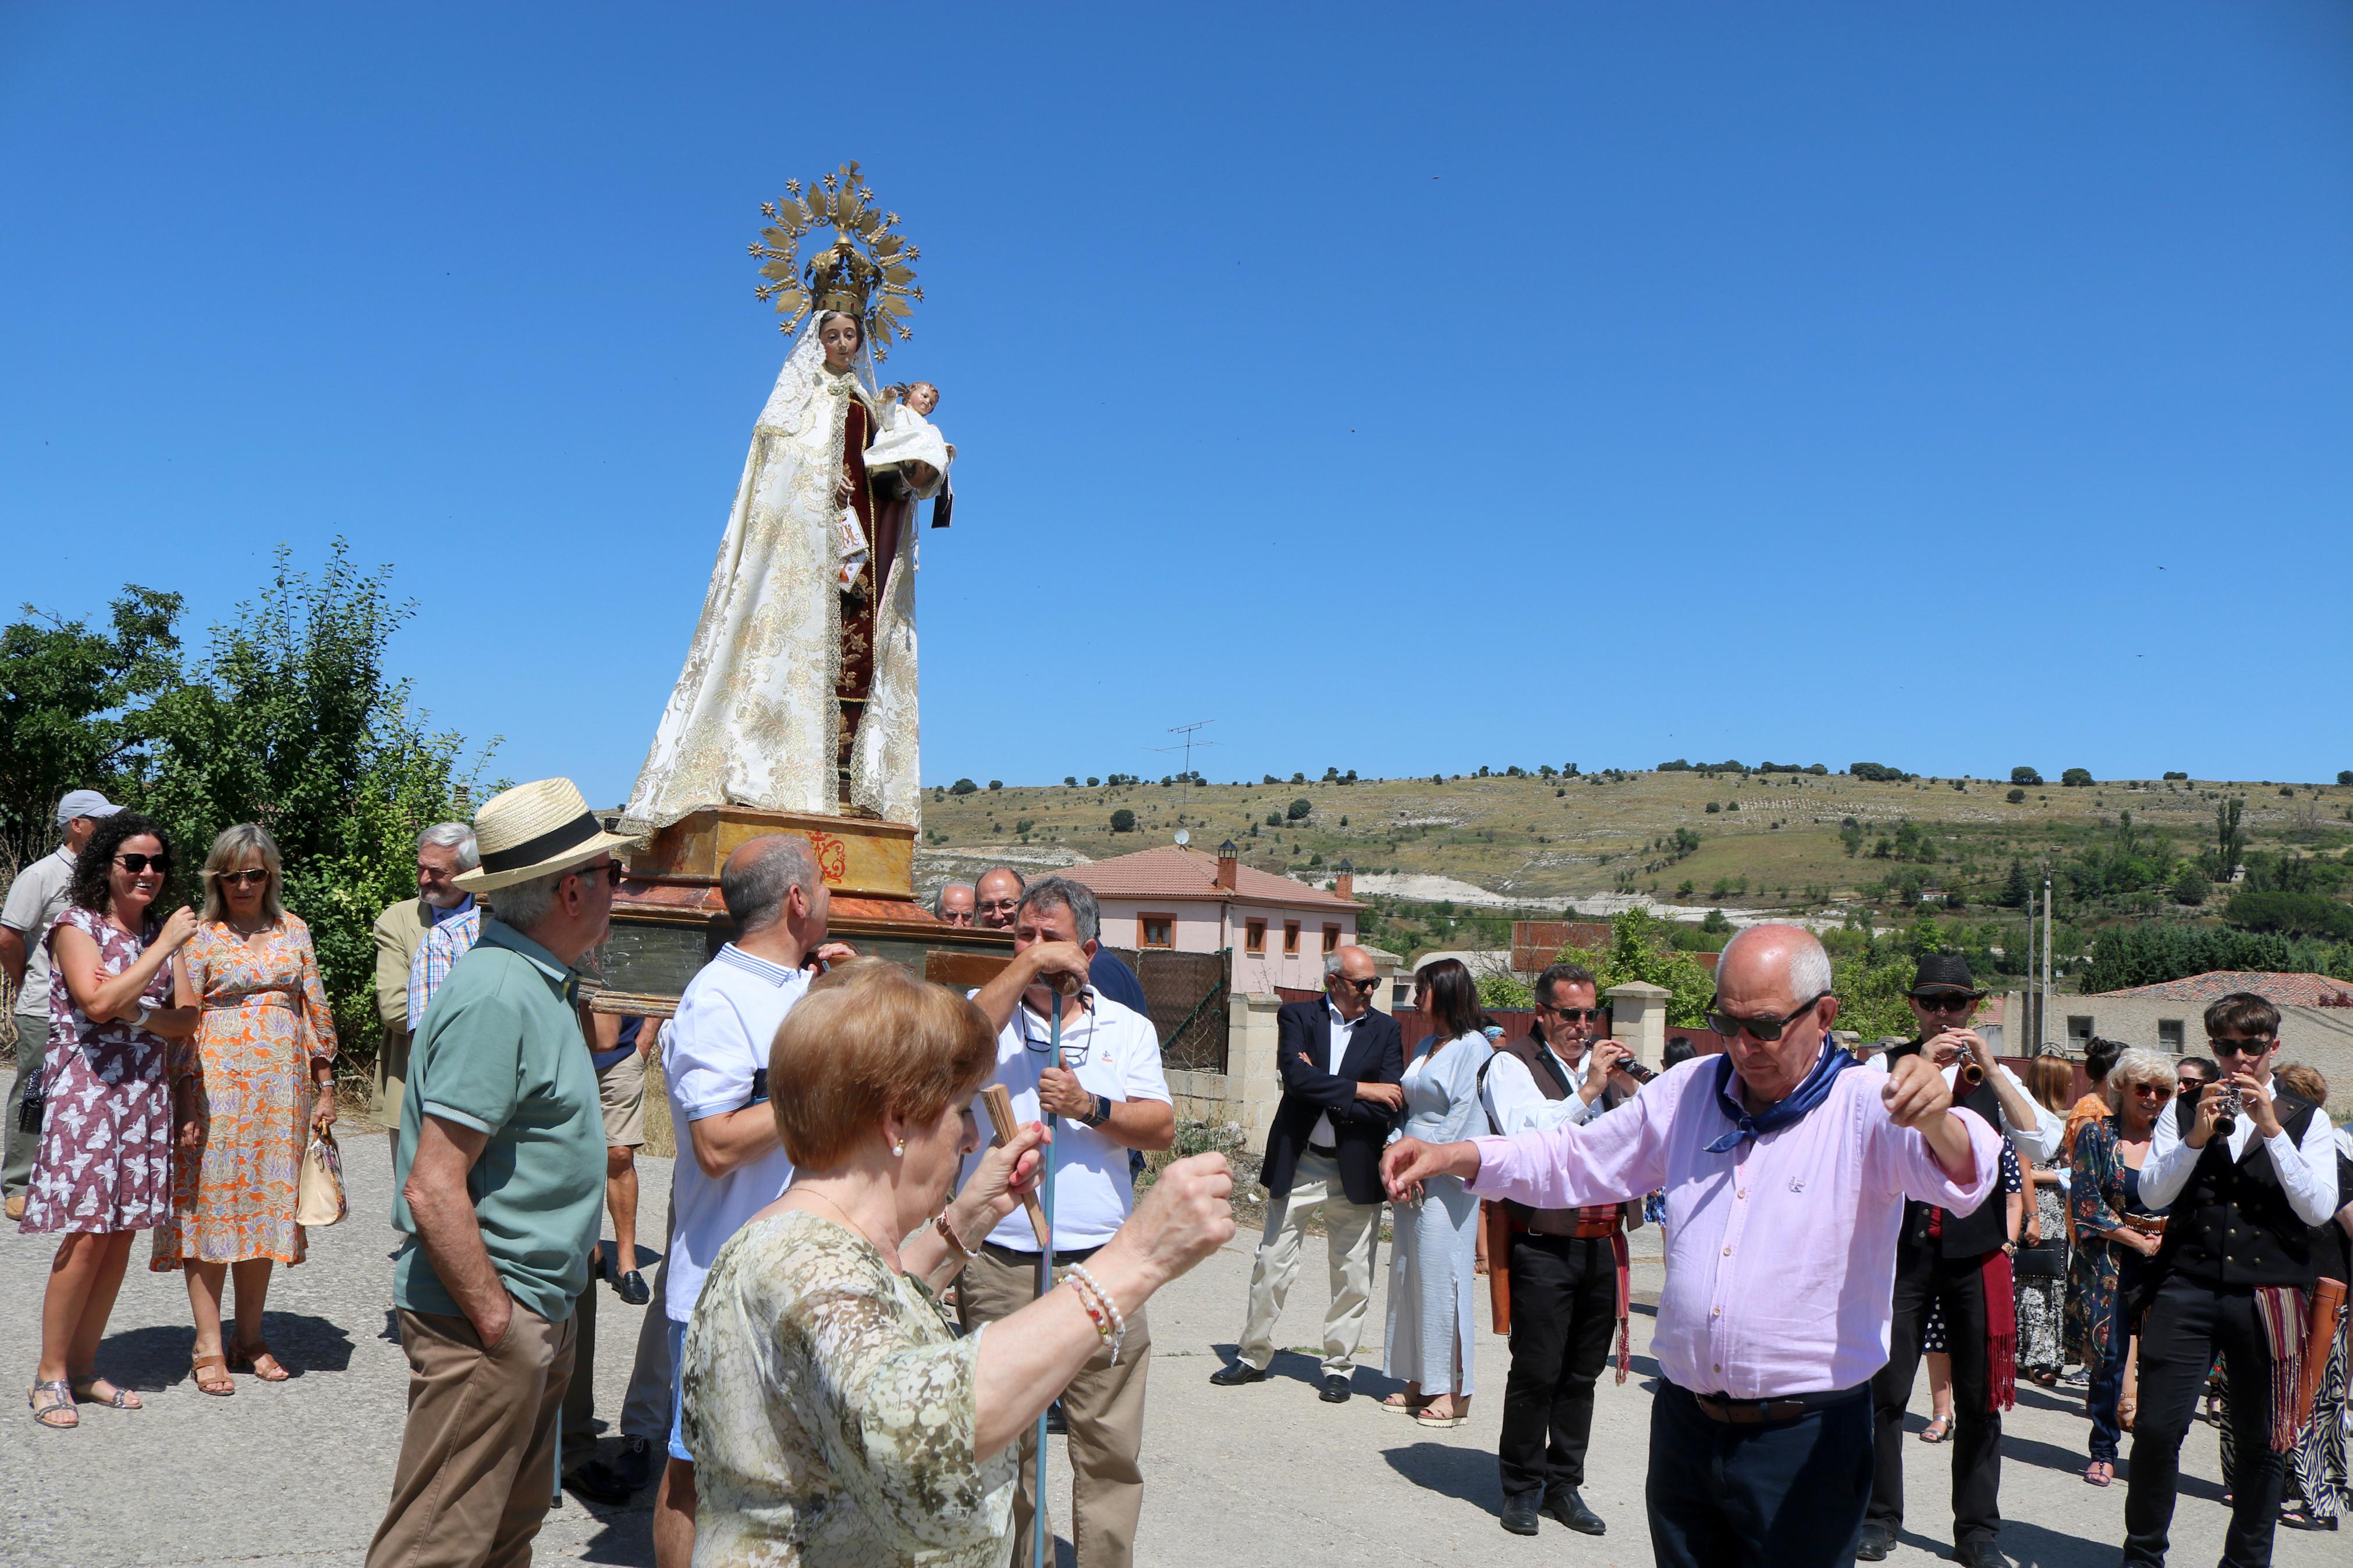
{"x": 910, "y": 445}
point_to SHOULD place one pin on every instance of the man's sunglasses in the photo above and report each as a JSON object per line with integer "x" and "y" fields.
{"x": 1573, "y": 1015}
{"x": 240, "y": 878}
{"x": 611, "y": 870}
{"x": 139, "y": 865}
{"x": 2238, "y": 1047}
{"x": 1946, "y": 1001}
{"x": 1363, "y": 987}
{"x": 1766, "y": 1029}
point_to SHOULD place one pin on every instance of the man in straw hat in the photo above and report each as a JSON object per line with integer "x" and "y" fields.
{"x": 498, "y": 1075}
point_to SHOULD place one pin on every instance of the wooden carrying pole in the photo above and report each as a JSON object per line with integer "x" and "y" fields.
{"x": 1498, "y": 1223}
{"x": 999, "y": 1101}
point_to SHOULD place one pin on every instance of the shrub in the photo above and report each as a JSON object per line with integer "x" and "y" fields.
{"x": 962, "y": 787}
{"x": 2077, "y": 778}
{"x": 1504, "y": 991}
{"x": 996, "y": 784}
{"x": 2344, "y": 776}
{"x": 1123, "y": 821}
{"x": 2026, "y": 776}
{"x": 1732, "y": 806}
{"x": 2192, "y": 886}
{"x": 2016, "y": 797}
{"x": 2295, "y": 914}
{"x": 2341, "y": 778}
{"x": 1877, "y": 773}
{"x": 1712, "y": 809}
{"x": 1299, "y": 809}
{"x": 1071, "y": 778}
{"x": 1092, "y": 781}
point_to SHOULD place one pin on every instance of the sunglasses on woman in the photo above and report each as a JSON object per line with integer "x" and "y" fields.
{"x": 1766, "y": 1030}
{"x": 139, "y": 865}
{"x": 242, "y": 879}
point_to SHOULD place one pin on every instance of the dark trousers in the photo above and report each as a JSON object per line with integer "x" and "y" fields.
{"x": 2104, "y": 1396}
{"x": 1563, "y": 1307}
{"x": 1923, "y": 1276}
{"x": 2186, "y": 1324}
{"x": 1787, "y": 1494}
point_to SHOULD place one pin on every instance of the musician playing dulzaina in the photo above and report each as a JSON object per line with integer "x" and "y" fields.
{"x": 1959, "y": 1263}
{"x": 1785, "y": 1165}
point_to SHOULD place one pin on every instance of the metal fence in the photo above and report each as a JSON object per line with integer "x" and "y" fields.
{"x": 1186, "y": 994}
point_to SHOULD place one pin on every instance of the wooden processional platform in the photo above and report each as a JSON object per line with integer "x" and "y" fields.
{"x": 668, "y": 919}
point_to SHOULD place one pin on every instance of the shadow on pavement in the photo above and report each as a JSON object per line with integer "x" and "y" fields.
{"x": 2032, "y": 1546}
{"x": 2051, "y": 1457}
{"x": 1465, "y": 1474}
{"x": 157, "y": 1356}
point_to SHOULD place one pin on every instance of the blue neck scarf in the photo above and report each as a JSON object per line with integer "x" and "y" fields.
{"x": 1784, "y": 1112}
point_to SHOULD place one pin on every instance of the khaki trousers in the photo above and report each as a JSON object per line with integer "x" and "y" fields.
{"x": 476, "y": 1467}
{"x": 1348, "y": 1231}
{"x": 1104, "y": 1406}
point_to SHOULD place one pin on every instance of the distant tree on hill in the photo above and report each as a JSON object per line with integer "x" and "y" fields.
{"x": 1850, "y": 834}
{"x": 1876, "y": 773}
{"x": 1269, "y": 779}
{"x": 1299, "y": 778}
{"x": 962, "y": 787}
{"x": 2026, "y": 776}
{"x": 1300, "y": 808}
{"x": 2341, "y": 778}
{"x": 1093, "y": 782}
{"x": 2192, "y": 886}
{"x": 1071, "y": 778}
{"x": 996, "y": 784}
{"x": 2294, "y": 914}
{"x": 2077, "y": 778}
{"x": 2016, "y": 797}
{"x": 2229, "y": 838}
{"x": 1123, "y": 821}
{"x": 2344, "y": 776}
{"x": 2014, "y": 889}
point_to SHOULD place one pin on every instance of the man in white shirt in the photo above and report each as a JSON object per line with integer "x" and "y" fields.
{"x": 715, "y": 1050}
{"x": 1111, "y": 1096}
{"x": 35, "y": 898}
{"x": 1340, "y": 1060}
{"x": 2233, "y": 1276}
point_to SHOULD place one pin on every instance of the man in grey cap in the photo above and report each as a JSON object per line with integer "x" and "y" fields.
{"x": 35, "y": 898}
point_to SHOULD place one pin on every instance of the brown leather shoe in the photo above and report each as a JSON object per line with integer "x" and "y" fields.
{"x": 16, "y": 1206}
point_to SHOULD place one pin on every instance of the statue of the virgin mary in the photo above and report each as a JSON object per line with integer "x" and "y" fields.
{"x": 798, "y": 692}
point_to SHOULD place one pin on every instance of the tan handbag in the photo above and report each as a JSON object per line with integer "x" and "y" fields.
{"x": 319, "y": 1196}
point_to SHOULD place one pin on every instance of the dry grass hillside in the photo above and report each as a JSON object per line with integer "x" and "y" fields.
{"x": 1540, "y": 842}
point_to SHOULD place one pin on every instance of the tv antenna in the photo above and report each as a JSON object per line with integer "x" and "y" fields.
{"x": 1184, "y": 796}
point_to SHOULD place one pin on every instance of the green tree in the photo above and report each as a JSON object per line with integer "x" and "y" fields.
{"x": 2077, "y": 778}
{"x": 1300, "y": 808}
{"x": 962, "y": 787}
{"x": 2229, "y": 838}
{"x": 1639, "y": 949}
{"x": 2026, "y": 776}
{"x": 1504, "y": 991}
{"x": 1850, "y": 834}
{"x": 2192, "y": 886}
{"x": 73, "y": 707}
{"x": 292, "y": 722}
{"x": 2015, "y": 891}
{"x": 1123, "y": 821}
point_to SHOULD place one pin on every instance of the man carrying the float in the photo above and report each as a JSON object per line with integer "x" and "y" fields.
{"x": 1785, "y": 1166}
{"x": 1957, "y": 1266}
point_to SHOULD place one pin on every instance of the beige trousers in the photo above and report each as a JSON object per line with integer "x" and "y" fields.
{"x": 1104, "y": 1406}
{"x": 1348, "y": 1232}
{"x": 476, "y": 1467}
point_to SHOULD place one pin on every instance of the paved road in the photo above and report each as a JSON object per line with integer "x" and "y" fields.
{"x": 295, "y": 1476}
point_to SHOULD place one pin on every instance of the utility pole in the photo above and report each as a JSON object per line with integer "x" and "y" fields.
{"x": 2043, "y": 1022}
{"x": 2031, "y": 1026}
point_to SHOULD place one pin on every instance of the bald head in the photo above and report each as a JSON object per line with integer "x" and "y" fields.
{"x": 1348, "y": 976}
{"x": 1000, "y": 896}
{"x": 1775, "y": 979}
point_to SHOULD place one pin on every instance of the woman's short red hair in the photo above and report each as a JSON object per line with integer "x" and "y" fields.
{"x": 868, "y": 1040}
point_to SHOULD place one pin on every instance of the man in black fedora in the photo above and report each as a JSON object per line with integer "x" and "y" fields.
{"x": 1959, "y": 1263}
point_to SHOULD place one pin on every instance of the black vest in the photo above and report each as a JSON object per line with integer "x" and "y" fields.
{"x": 1531, "y": 1053}
{"x": 2234, "y": 1224}
{"x": 1986, "y": 1226}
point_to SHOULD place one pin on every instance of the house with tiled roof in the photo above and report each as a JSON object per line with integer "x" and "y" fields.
{"x": 2315, "y": 1017}
{"x": 1183, "y": 901}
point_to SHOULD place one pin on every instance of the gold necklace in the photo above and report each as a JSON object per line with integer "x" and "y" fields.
{"x": 855, "y": 1228}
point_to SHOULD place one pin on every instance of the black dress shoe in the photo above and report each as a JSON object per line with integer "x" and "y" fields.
{"x": 1334, "y": 1390}
{"x": 1565, "y": 1505}
{"x": 1877, "y": 1541}
{"x": 1520, "y": 1517}
{"x": 1979, "y": 1553}
{"x": 635, "y": 1463}
{"x": 596, "y": 1481}
{"x": 1237, "y": 1375}
{"x": 632, "y": 1288}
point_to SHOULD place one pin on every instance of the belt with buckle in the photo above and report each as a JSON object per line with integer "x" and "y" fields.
{"x": 2147, "y": 1223}
{"x": 1759, "y": 1411}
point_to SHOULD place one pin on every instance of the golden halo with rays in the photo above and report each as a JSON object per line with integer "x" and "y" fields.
{"x": 866, "y": 272}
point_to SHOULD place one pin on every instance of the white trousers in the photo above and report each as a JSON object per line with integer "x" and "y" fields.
{"x": 1349, "y": 1229}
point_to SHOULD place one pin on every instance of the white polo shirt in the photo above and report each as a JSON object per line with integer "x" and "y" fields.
{"x": 727, "y": 1020}
{"x": 1115, "y": 1052}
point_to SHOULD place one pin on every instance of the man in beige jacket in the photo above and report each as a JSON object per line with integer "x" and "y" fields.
{"x": 443, "y": 851}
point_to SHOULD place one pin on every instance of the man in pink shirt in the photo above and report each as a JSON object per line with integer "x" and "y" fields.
{"x": 1786, "y": 1168}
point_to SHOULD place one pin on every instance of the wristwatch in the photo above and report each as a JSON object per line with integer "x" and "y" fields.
{"x": 1102, "y": 1112}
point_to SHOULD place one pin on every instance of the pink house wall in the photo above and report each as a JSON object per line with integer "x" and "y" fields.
{"x": 1203, "y": 927}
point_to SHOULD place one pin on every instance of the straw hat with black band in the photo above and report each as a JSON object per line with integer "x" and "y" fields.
{"x": 534, "y": 830}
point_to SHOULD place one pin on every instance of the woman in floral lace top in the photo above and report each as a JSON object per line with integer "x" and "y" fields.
{"x": 836, "y": 1419}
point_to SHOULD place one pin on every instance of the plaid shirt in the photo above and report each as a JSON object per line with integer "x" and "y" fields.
{"x": 443, "y": 946}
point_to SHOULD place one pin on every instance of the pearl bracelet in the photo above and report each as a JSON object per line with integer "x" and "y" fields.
{"x": 1082, "y": 1276}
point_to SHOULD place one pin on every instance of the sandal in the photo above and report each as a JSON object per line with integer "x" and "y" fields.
{"x": 1427, "y": 1416}
{"x": 1407, "y": 1405}
{"x": 53, "y": 1405}
{"x": 85, "y": 1392}
{"x": 256, "y": 1359}
{"x": 1937, "y": 1430}
{"x": 220, "y": 1386}
{"x": 2100, "y": 1472}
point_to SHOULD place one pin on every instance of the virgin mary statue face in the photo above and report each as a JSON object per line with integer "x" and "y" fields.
{"x": 839, "y": 336}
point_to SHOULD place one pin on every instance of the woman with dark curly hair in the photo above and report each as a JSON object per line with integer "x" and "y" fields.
{"x": 105, "y": 1169}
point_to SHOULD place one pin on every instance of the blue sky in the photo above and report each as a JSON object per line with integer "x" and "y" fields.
{"x": 1403, "y": 389}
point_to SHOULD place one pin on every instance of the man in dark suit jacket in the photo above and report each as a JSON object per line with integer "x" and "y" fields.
{"x": 1341, "y": 1062}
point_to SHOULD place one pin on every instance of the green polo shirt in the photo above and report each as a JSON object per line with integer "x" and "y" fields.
{"x": 501, "y": 1053}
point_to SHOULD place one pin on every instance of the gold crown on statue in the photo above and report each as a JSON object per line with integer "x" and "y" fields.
{"x": 865, "y": 272}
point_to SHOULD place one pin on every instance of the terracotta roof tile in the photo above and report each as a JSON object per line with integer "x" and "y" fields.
{"x": 1174, "y": 872}
{"x": 2280, "y": 990}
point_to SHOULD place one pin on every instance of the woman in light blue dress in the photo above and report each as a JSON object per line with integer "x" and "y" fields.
{"x": 1432, "y": 1258}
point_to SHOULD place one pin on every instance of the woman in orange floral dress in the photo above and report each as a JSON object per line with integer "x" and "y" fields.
{"x": 265, "y": 1065}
